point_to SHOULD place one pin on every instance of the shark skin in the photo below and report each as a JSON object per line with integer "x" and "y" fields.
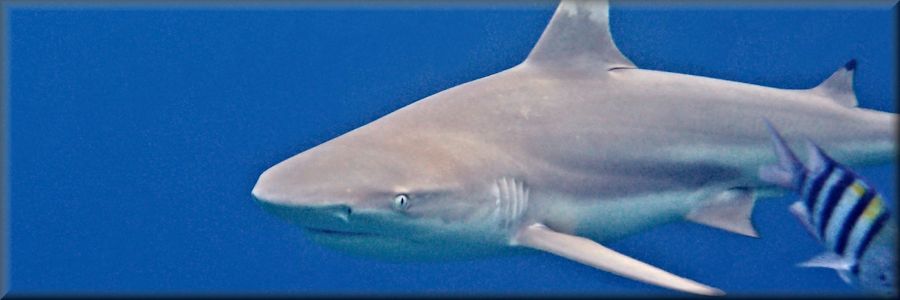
{"x": 574, "y": 147}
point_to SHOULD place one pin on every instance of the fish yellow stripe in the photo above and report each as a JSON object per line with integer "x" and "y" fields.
{"x": 858, "y": 188}
{"x": 873, "y": 208}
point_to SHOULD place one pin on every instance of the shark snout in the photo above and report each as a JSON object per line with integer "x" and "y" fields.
{"x": 329, "y": 174}
{"x": 279, "y": 188}
{"x": 334, "y": 216}
{"x": 290, "y": 187}
{"x": 287, "y": 198}
{"x": 268, "y": 190}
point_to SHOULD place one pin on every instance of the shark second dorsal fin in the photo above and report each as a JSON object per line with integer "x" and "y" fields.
{"x": 578, "y": 36}
{"x": 839, "y": 86}
{"x": 585, "y": 251}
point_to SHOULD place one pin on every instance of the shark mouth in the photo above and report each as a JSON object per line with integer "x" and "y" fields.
{"x": 324, "y": 231}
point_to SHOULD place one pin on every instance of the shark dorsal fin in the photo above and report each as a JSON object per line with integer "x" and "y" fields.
{"x": 839, "y": 86}
{"x": 578, "y": 37}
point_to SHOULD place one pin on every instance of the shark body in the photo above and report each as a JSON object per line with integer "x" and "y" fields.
{"x": 573, "y": 147}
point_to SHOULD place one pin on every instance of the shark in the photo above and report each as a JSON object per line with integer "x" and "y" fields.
{"x": 563, "y": 153}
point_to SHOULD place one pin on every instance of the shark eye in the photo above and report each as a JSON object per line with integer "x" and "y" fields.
{"x": 401, "y": 202}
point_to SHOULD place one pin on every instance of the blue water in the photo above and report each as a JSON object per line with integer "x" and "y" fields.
{"x": 136, "y": 135}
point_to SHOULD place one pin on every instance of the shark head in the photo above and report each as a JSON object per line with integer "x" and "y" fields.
{"x": 389, "y": 196}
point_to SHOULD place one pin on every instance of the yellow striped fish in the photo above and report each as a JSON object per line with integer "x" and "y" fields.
{"x": 844, "y": 213}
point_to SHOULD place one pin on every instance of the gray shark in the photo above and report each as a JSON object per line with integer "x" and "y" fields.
{"x": 572, "y": 148}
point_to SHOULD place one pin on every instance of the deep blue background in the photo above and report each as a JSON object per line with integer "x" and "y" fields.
{"x": 136, "y": 135}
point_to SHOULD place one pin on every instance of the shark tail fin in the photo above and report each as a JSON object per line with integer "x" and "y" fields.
{"x": 839, "y": 86}
{"x": 789, "y": 171}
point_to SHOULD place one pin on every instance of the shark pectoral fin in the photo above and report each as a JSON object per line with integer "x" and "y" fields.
{"x": 839, "y": 86}
{"x": 538, "y": 236}
{"x": 729, "y": 210}
{"x": 798, "y": 209}
{"x": 578, "y": 36}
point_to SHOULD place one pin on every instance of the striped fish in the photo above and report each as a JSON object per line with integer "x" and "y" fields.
{"x": 842, "y": 212}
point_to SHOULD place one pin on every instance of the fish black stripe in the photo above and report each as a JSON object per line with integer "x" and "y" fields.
{"x": 834, "y": 195}
{"x": 873, "y": 230}
{"x": 801, "y": 181}
{"x": 851, "y": 220}
{"x": 816, "y": 186}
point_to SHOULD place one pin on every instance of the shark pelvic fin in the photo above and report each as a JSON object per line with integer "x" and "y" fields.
{"x": 585, "y": 251}
{"x": 839, "y": 86}
{"x": 578, "y": 37}
{"x": 730, "y": 210}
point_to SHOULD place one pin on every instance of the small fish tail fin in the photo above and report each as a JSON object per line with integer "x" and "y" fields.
{"x": 788, "y": 172}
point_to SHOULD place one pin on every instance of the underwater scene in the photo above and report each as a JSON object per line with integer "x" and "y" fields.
{"x": 280, "y": 148}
